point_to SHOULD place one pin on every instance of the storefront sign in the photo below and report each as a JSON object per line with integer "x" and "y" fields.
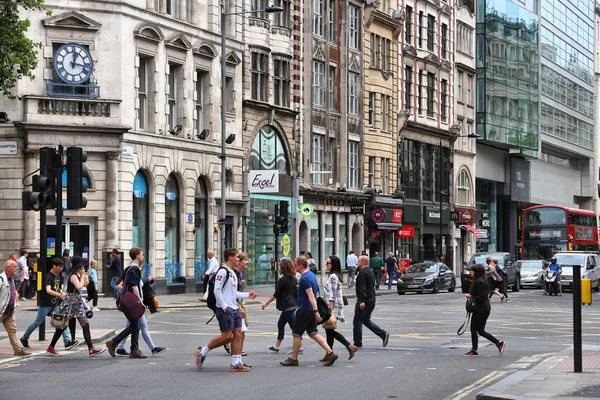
{"x": 357, "y": 208}
{"x": 397, "y": 216}
{"x": 432, "y": 215}
{"x": 333, "y": 202}
{"x": 263, "y": 181}
{"x": 406, "y": 232}
{"x": 519, "y": 180}
{"x": 127, "y": 152}
{"x": 286, "y": 245}
{"x": 306, "y": 210}
{"x": 8, "y": 148}
{"x": 466, "y": 216}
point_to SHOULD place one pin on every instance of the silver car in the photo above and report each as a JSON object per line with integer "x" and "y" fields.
{"x": 531, "y": 272}
{"x": 588, "y": 262}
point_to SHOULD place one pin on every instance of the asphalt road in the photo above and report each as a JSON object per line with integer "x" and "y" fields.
{"x": 424, "y": 358}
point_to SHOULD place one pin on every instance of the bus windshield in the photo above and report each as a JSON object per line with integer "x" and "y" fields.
{"x": 546, "y": 216}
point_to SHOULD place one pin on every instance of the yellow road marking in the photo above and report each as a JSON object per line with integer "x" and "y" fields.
{"x": 490, "y": 378}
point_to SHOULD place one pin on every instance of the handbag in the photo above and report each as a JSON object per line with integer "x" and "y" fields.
{"x": 323, "y": 309}
{"x": 465, "y": 324}
{"x": 345, "y": 300}
{"x": 130, "y": 304}
{"x": 59, "y": 321}
{"x": 470, "y": 305}
{"x": 331, "y": 323}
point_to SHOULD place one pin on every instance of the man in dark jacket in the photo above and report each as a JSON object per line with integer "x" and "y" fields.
{"x": 365, "y": 303}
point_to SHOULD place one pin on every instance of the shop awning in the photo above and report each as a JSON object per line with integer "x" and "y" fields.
{"x": 478, "y": 233}
{"x": 388, "y": 226}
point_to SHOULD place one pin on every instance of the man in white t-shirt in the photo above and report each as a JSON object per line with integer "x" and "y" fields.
{"x": 23, "y": 270}
{"x": 211, "y": 268}
{"x": 351, "y": 263}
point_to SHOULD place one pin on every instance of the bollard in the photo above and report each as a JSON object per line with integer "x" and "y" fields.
{"x": 586, "y": 291}
{"x": 577, "y": 351}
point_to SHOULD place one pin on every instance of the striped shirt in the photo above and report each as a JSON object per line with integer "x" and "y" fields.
{"x": 333, "y": 291}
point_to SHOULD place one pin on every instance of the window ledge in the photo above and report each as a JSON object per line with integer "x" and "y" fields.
{"x": 470, "y": 106}
{"x": 460, "y": 102}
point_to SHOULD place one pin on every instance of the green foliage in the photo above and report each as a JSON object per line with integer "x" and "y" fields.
{"x": 18, "y": 54}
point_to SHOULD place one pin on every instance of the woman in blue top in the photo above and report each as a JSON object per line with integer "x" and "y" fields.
{"x": 92, "y": 287}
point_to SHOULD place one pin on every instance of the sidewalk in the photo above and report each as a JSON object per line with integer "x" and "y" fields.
{"x": 552, "y": 379}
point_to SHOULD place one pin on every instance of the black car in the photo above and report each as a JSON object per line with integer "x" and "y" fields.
{"x": 427, "y": 276}
{"x": 506, "y": 263}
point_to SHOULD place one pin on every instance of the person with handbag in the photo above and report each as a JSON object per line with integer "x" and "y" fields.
{"x": 479, "y": 294}
{"x": 129, "y": 307}
{"x": 72, "y": 307}
{"x": 333, "y": 295}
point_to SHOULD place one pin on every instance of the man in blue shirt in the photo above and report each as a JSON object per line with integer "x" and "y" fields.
{"x": 554, "y": 267}
{"x": 307, "y": 316}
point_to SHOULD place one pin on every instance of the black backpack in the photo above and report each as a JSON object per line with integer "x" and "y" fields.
{"x": 211, "y": 300}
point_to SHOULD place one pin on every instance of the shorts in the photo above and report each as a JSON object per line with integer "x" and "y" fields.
{"x": 228, "y": 320}
{"x": 305, "y": 322}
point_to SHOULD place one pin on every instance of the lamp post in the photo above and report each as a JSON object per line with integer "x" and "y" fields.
{"x": 224, "y": 15}
{"x": 470, "y": 136}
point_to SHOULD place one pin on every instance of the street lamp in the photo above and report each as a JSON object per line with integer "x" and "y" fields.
{"x": 224, "y": 15}
{"x": 470, "y": 136}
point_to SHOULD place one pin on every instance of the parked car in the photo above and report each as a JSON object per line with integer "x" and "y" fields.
{"x": 588, "y": 262}
{"x": 531, "y": 273}
{"x": 427, "y": 276}
{"x": 506, "y": 263}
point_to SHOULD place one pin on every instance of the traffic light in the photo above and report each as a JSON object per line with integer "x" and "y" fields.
{"x": 282, "y": 219}
{"x": 43, "y": 195}
{"x": 76, "y": 186}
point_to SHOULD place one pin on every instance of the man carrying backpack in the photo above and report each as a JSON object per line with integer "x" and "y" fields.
{"x": 228, "y": 314}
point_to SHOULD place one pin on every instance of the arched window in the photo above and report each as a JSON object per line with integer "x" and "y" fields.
{"x": 172, "y": 220}
{"x": 141, "y": 213}
{"x": 268, "y": 152}
{"x": 200, "y": 225}
{"x": 463, "y": 189}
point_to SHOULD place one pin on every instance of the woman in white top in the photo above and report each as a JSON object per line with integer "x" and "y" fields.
{"x": 333, "y": 295}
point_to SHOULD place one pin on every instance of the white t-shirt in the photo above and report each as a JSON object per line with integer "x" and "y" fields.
{"x": 213, "y": 266}
{"x": 23, "y": 268}
{"x": 226, "y": 295}
{"x": 351, "y": 260}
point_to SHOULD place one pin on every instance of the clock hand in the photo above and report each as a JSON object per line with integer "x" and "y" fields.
{"x": 73, "y": 63}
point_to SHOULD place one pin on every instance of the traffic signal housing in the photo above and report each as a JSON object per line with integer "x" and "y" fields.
{"x": 43, "y": 194}
{"x": 282, "y": 220}
{"x": 76, "y": 186}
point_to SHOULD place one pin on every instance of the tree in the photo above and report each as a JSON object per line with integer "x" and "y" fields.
{"x": 18, "y": 54}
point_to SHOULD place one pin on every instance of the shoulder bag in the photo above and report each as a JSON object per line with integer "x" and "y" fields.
{"x": 470, "y": 305}
{"x": 331, "y": 323}
{"x": 130, "y": 304}
{"x": 323, "y": 308}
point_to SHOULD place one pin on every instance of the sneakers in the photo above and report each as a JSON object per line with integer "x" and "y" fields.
{"x": 352, "y": 349}
{"x": 502, "y": 299}
{"x": 273, "y": 348}
{"x": 330, "y": 359}
{"x": 95, "y": 309}
{"x": 22, "y": 353}
{"x": 51, "y": 352}
{"x": 199, "y": 358}
{"x": 501, "y": 346}
{"x": 70, "y": 345}
{"x": 301, "y": 351}
{"x": 507, "y": 300}
{"x": 545, "y": 293}
{"x": 560, "y": 294}
{"x": 239, "y": 368}
{"x": 137, "y": 354}
{"x": 24, "y": 342}
{"x": 94, "y": 352}
{"x": 111, "y": 346}
{"x": 158, "y": 350}
{"x": 121, "y": 352}
{"x": 290, "y": 362}
{"x": 386, "y": 339}
{"x": 471, "y": 353}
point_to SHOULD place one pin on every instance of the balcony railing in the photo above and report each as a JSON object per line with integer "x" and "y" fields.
{"x": 47, "y": 109}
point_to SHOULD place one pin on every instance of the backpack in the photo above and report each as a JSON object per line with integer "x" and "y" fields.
{"x": 211, "y": 300}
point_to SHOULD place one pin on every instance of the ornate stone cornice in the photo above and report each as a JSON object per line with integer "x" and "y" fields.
{"x": 410, "y": 52}
{"x": 280, "y": 30}
{"x": 261, "y": 23}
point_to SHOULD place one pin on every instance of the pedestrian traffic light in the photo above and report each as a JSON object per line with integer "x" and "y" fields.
{"x": 76, "y": 186}
{"x": 282, "y": 219}
{"x": 43, "y": 195}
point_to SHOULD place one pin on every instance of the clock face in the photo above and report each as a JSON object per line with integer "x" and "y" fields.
{"x": 73, "y": 63}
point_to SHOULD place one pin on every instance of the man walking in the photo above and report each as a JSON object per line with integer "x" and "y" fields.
{"x": 390, "y": 267}
{"x": 116, "y": 268}
{"x": 228, "y": 314}
{"x": 211, "y": 268}
{"x": 365, "y": 304}
{"x": 23, "y": 269}
{"x": 8, "y": 296}
{"x": 376, "y": 264}
{"x": 351, "y": 262}
{"x": 307, "y": 316}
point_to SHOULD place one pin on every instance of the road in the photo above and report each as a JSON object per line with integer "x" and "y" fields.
{"x": 424, "y": 358}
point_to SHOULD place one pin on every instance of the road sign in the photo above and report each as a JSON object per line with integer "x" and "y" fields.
{"x": 306, "y": 210}
{"x": 286, "y": 245}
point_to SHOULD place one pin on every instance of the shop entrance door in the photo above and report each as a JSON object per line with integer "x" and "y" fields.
{"x": 78, "y": 236}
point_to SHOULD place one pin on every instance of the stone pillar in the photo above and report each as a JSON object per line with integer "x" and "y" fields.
{"x": 112, "y": 201}
{"x": 30, "y": 218}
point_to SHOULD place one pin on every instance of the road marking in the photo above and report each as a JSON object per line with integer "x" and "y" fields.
{"x": 151, "y": 363}
{"x": 432, "y": 369}
{"x": 487, "y": 380}
{"x": 389, "y": 367}
{"x": 472, "y": 370}
{"x": 6, "y": 366}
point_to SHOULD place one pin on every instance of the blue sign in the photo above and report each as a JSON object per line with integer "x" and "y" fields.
{"x": 171, "y": 196}
{"x": 190, "y": 218}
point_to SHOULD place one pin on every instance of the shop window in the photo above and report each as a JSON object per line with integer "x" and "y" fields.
{"x": 172, "y": 265}
{"x": 329, "y": 236}
{"x": 141, "y": 216}
{"x": 200, "y": 229}
{"x": 315, "y": 238}
{"x": 343, "y": 237}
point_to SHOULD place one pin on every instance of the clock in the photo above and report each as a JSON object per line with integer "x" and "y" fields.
{"x": 73, "y": 63}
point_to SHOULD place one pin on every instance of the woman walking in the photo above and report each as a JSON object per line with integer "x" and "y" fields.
{"x": 333, "y": 295}
{"x": 92, "y": 287}
{"x": 72, "y": 306}
{"x": 286, "y": 294}
{"x": 479, "y": 293}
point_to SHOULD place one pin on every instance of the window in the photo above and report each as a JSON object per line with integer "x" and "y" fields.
{"x": 469, "y": 90}
{"x": 353, "y": 164}
{"x": 382, "y": 178}
{"x": 318, "y": 158}
{"x": 430, "y": 94}
{"x": 172, "y": 96}
{"x": 200, "y": 79}
{"x": 385, "y": 112}
{"x": 459, "y": 87}
{"x": 469, "y": 140}
{"x": 373, "y": 58}
{"x": 420, "y": 92}
{"x": 143, "y": 93}
{"x": 444, "y": 99}
{"x": 172, "y": 7}
{"x": 371, "y": 172}
{"x": 282, "y": 18}
{"x": 372, "y": 109}
{"x": 411, "y": 172}
{"x": 331, "y": 86}
{"x": 353, "y": 93}
{"x": 257, "y": 5}
{"x": 444, "y": 41}
{"x": 318, "y": 83}
{"x": 332, "y": 22}
{"x": 201, "y": 230}
{"x": 318, "y": 17}
{"x": 458, "y": 144}
{"x": 377, "y": 45}
{"x": 430, "y": 32}
{"x": 463, "y": 189}
{"x": 353, "y": 27}
{"x": 229, "y": 88}
{"x": 421, "y": 17}
{"x": 331, "y": 157}
{"x": 140, "y": 211}
{"x": 260, "y": 76}
{"x": 281, "y": 82}
{"x": 408, "y": 73}
{"x": 408, "y": 25}
{"x": 172, "y": 220}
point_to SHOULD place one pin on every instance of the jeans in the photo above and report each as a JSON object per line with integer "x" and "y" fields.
{"x": 377, "y": 273}
{"x": 351, "y": 273}
{"x": 24, "y": 288}
{"x": 114, "y": 282}
{"x": 39, "y": 319}
{"x": 286, "y": 317}
{"x": 363, "y": 317}
{"x": 391, "y": 277}
{"x": 132, "y": 328}
{"x": 143, "y": 325}
{"x": 478, "y": 321}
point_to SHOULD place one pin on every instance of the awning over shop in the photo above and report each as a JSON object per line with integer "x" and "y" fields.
{"x": 388, "y": 226}
{"x": 478, "y": 233}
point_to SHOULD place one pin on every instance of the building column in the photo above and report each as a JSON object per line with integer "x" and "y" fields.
{"x": 111, "y": 239}
{"x": 30, "y": 228}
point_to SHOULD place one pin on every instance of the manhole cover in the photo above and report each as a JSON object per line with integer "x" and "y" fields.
{"x": 592, "y": 392}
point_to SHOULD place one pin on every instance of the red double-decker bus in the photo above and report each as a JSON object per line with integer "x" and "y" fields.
{"x": 548, "y": 229}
